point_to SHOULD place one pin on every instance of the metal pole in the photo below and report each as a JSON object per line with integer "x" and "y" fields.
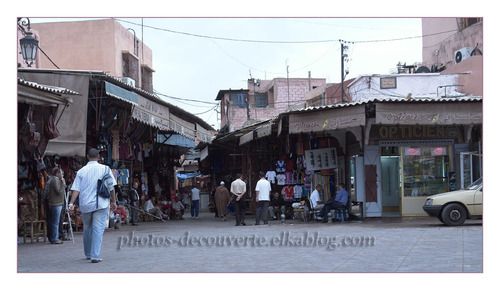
{"x": 342, "y": 70}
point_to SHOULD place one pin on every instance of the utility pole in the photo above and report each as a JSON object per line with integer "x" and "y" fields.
{"x": 288, "y": 85}
{"x": 342, "y": 71}
{"x": 346, "y": 72}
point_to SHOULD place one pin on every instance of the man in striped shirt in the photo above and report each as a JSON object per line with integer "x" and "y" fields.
{"x": 94, "y": 208}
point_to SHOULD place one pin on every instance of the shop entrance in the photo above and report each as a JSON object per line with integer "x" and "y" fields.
{"x": 391, "y": 181}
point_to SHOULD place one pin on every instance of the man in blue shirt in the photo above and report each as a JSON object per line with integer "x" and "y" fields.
{"x": 340, "y": 201}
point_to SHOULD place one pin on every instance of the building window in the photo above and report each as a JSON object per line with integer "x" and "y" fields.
{"x": 239, "y": 100}
{"x": 130, "y": 66}
{"x": 261, "y": 100}
{"x": 147, "y": 79}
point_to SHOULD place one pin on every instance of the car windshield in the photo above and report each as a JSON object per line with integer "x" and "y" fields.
{"x": 477, "y": 184}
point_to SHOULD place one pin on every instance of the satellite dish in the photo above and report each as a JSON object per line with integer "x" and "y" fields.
{"x": 422, "y": 69}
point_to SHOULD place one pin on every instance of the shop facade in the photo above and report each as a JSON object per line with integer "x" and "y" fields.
{"x": 140, "y": 137}
{"x": 390, "y": 154}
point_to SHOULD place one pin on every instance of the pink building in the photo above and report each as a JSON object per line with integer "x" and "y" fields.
{"x": 102, "y": 45}
{"x": 455, "y": 45}
{"x": 263, "y": 99}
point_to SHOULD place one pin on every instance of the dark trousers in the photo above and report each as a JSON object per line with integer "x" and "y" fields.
{"x": 261, "y": 210}
{"x": 134, "y": 212}
{"x": 239, "y": 210}
{"x": 328, "y": 207}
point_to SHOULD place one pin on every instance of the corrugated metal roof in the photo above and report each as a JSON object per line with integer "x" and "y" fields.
{"x": 47, "y": 88}
{"x": 392, "y": 100}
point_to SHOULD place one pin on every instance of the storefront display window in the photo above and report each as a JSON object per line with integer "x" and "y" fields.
{"x": 425, "y": 170}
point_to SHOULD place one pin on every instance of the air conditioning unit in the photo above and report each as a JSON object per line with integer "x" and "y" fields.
{"x": 129, "y": 81}
{"x": 463, "y": 54}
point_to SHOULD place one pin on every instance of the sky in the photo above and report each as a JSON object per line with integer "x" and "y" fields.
{"x": 194, "y": 58}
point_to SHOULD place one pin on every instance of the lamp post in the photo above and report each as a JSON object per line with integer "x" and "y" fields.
{"x": 28, "y": 43}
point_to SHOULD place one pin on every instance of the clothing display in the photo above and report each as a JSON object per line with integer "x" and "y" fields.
{"x": 271, "y": 176}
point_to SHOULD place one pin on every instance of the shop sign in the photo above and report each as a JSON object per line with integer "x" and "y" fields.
{"x": 417, "y": 131}
{"x": 182, "y": 127}
{"x": 339, "y": 118}
{"x": 202, "y": 134}
{"x": 149, "y": 112}
{"x": 388, "y": 83}
{"x": 319, "y": 159}
{"x": 427, "y": 114}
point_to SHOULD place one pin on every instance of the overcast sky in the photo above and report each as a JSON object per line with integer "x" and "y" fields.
{"x": 194, "y": 58}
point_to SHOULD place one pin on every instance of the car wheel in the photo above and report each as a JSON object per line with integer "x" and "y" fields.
{"x": 454, "y": 215}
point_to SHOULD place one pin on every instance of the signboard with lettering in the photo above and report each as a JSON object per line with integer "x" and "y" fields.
{"x": 153, "y": 114}
{"x": 388, "y": 83}
{"x": 319, "y": 159}
{"x": 327, "y": 120}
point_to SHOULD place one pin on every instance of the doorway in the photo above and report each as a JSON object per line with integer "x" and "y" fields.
{"x": 391, "y": 181}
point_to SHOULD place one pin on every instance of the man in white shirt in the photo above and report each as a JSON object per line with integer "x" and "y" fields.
{"x": 262, "y": 191}
{"x": 238, "y": 190}
{"x": 315, "y": 199}
{"x": 94, "y": 208}
{"x": 195, "y": 201}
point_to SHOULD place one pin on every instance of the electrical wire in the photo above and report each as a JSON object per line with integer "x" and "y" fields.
{"x": 281, "y": 41}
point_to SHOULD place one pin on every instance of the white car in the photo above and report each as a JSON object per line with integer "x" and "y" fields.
{"x": 454, "y": 207}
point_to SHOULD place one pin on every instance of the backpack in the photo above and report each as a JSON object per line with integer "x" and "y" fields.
{"x": 105, "y": 184}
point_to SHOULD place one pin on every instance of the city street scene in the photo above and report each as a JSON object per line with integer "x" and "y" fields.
{"x": 250, "y": 145}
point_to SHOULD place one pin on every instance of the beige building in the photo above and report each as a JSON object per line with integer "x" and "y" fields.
{"x": 102, "y": 45}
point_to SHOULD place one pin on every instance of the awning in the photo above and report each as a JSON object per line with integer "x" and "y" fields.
{"x": 332, "y": 119}
{"x": 202, "y": 134}
{"x": 246, "y": 138}
{"x": 121, "y": 93}
{"x": 264, "y": 131}
{"x": 184, "y": 176}
{"x": 151, "y": 113}
{"x": 182, "y": 127}
{"x": 427, "y": 114}
{"x": 174, "y": 140}
{"x": 204, "y": 154}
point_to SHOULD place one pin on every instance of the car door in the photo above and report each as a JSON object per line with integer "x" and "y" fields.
{"x": 478, "y": 202}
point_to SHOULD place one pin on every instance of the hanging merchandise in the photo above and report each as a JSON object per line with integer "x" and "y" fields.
{"x": 281, "y": 179}
{"x": 287, "y": 193}
{"x": 280, "y": 165}
{"x": 271, "y": 176}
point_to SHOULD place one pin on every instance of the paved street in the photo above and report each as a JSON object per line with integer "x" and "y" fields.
{"x": 207, "y": 245}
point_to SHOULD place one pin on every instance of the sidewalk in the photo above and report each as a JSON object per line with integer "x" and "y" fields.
{"x": 420, "y": 244}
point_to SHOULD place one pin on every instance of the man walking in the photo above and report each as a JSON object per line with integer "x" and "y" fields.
{"x": 57, "y": 191}
{"x": 238, "y": 190}
{"x": 262, "y": 191}
{"x": 94, "y": 208}
{"x": 195, "y": 201}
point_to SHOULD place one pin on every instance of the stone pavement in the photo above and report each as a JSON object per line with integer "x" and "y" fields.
{"x": 422, "y": 245}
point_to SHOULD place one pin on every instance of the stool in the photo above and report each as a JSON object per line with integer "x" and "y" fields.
{"x": 37, "y": 229}
{"x": 340, "y": 214}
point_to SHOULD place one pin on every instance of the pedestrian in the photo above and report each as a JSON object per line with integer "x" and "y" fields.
{"x": 57, "y": 192}
{"x": 195, "y": 201}
{"x": 94, "y": 208}
{"x": 45, "y": 198}
{"x": 238, "y": 190}
{"x": 262, "y": 191}
{"x": 222, "y": 199}
{"x": 134, "y": 202}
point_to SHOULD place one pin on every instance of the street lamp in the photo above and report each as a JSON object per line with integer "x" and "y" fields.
{"x": 28, "y": 43}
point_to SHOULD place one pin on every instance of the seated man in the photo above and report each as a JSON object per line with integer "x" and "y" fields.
{"x": 340, "y": 201}
{"x": 177, "y": 208}
{"x": 154, "y": 210}
{"x": 316, "y": 202}
{"x": 277, "y": 206}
